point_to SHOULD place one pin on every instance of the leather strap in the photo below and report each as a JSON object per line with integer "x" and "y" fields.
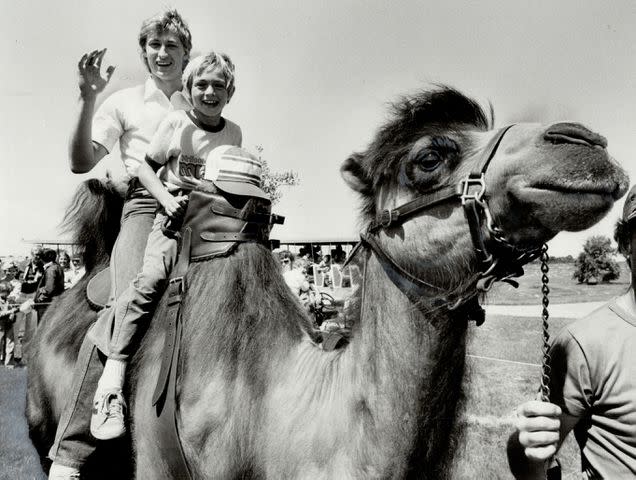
{"x": 473, "y": 217}
{"x": 164, "y": 396}
{"x": 405, "y": 281}
{"x": 230, "y": 237}
{"x": 251, "y": 217}
{"x": 169, "y": 444}
{"x": 415, "y": 288}
{"x": 490, "y": 151}
{"x": 386, "y": 218}
{"x": 176, "y": 288}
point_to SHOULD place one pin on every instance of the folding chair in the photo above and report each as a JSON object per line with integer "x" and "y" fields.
{"x": 336, "y": 277}
{"x": 319, "y": 278}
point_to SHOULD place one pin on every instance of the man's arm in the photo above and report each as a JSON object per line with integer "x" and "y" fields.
{"x": 48, "y": 285}
{"x": 83, "y": 152}
{"x": 541, "y": 430}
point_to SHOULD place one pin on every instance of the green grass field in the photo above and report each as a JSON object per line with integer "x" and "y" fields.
{"x": 563, "y": 288}
{"x": 495, "y": 385}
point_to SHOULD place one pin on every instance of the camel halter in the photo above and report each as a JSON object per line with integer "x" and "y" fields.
{"x": 470, "y": 192}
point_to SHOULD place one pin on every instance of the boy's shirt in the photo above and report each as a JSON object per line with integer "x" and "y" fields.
{"x": 593, "y": 372}
{"x": 181, "y": 144}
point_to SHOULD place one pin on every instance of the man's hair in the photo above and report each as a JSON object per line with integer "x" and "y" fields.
{"x": 49, "y": 255}
{"x": 198, "y": 65}
{"x": 623, "y": 237}
{"x": 169, "y": 21}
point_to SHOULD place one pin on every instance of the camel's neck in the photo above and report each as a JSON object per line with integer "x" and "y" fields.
{"x": 408, "y": 368}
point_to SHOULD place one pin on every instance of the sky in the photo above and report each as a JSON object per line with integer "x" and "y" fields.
{"x": 313, "y": 83}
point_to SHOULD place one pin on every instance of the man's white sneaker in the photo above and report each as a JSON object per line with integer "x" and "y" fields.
{"x": 109, "y": 410}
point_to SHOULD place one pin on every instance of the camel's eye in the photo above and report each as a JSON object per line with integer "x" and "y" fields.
{"x": 423, "y": 167}
{"x": 429, "y": 160}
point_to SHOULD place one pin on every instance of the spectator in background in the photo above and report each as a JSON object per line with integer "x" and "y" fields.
{"x": 75, "y": 273}
{"x": 286, "y": 259}
{"x": 51, "y": 284}
{"x": 64, "y": 261}
{"x": 7, "y": 318}
{"x": 325, "y": 267}
{"x": 295, "y": 275}
{"x": 11, "y": 273}
{"x": 16, "y": 325}
{"x": 33, "y": 271}
{"x": 23, "y": 294}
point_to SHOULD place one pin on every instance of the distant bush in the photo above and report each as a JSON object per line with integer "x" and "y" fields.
{"x": 596, "y": 263}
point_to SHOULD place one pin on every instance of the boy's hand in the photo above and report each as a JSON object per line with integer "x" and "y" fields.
{"x": 174, "y": 206}
{"x": 91, "y": 81}
{"x": 538, "y": 424}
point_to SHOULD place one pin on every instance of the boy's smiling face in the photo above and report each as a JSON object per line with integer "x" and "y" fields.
{"x": 165, "y": 56}
{"x": 209, "y": 95}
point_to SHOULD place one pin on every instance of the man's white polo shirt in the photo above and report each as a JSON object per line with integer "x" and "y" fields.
{"x": 131, "y": 116}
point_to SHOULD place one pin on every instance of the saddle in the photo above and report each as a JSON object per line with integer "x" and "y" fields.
{"x": 98, "y": 289}
{"x": 214, "y": 225}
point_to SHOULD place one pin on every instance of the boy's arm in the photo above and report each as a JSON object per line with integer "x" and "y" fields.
{"x": 541, "y": 430}
{"x": 158, "y": 152}
{"x": 151, "y": 182}
{"x": 84, "y": 153}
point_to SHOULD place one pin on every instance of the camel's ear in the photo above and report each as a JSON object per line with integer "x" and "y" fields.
{"x": 354, "y": 175}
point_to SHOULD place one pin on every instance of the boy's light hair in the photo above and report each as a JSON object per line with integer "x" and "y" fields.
{"x": 198, "y": 65}
{"x": 169, "y": 21}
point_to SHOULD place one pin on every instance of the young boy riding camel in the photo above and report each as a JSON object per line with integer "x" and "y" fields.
{"x": 181, "y": 145}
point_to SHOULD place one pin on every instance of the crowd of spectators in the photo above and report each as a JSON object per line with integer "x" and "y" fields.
{"x": 309, "y": 276}
{"x": 27, "y": 288}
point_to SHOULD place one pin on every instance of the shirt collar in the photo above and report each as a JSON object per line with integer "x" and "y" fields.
{"x": 623, "y": 306}
{"x": 151, "y": 91}
{"x": 46, "y": 265}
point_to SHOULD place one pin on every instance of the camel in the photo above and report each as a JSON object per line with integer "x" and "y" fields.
{"x": 259, "y": 399}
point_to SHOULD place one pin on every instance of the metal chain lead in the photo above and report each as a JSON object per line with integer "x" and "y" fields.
{"x": 545, "y": 290}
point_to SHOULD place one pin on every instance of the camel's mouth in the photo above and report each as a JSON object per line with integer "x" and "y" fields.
{"x": 571, "y": 206}
{"x": 581, "y": 195}
{"x": 604, "y": 189}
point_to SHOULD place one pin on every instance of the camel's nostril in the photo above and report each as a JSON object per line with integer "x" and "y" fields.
{"x": 574, "y": 133}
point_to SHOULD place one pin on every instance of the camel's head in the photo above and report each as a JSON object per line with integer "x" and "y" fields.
{"x": 541, "y": 179}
